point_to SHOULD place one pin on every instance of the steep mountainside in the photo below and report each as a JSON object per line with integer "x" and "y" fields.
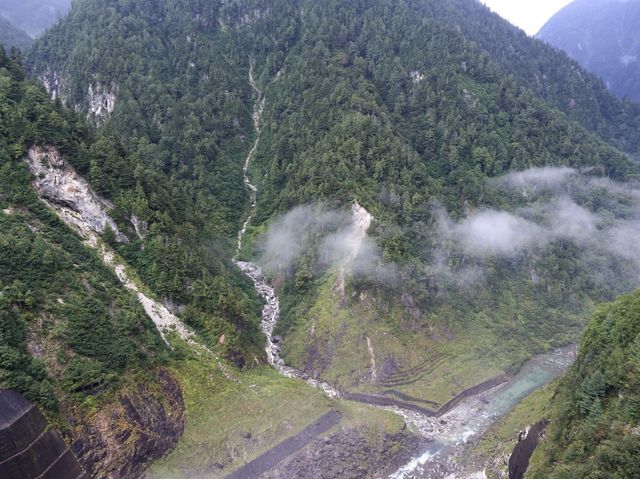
{"x": 603, "y": 36}
{"x": 545, "y": 71}
{"x": 595, "y": 412}
{"x": 11, "y": 36}
{"x": 77, "y": 332}
{"x": 437, "y": 198}
{"x": 156, "y": 162}
{"x": 34, "y": 16}
{"x": 72, "y": 339}
{"x": 408, "y": 107}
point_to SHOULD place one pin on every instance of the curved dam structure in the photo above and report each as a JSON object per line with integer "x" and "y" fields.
{"x": 29, "y": 449}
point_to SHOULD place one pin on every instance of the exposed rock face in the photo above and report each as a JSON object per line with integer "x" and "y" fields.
{"x": 100, "y": 99}
{"x": 68, "y": 193}
{"x": 101, "y": 102}
{"x": 527, "y": 443}
{"x": 416, "y": 77}
{"x": 54, "y": 84}
{"x": 350, "y": 454}
{"x": 73, "y": 200}
{"x": 28, "y": 449}
{"x": 353, "y": 239}
{"x": 123, "y": 438}
{"x": 229, "y": 15}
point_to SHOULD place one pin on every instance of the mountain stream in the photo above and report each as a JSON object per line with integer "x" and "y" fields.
{"x": 452, "y": 432}
{"x": 271, "y": 309}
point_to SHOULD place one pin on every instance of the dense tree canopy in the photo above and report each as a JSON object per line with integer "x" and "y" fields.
{"x": 596, "y": 409}
{"x": 402, "y": 105}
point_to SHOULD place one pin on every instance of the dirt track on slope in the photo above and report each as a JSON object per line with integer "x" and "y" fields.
{"x": 276, "y": 454}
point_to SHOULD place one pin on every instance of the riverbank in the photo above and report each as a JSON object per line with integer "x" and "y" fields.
{"x": 453, "y": 433}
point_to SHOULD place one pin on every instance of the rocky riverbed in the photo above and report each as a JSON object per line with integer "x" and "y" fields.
{"x": 451, "y": 433}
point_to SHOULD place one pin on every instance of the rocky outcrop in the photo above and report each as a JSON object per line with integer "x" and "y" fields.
{"x": 124, "y": 437}
{"x": 54, "y": 84}
{"x": 146, "y": 419}
{"x": 68, "y": 193}
{"x": 71, "y": 197}
{"x": 353, "y": 239}
{"x": 100, "y": 98}
{"x": 350, "y": 453}
{"x": 101, "y": 102}
{"x": 29, "y": 449}
{"x": 527, "y": 443}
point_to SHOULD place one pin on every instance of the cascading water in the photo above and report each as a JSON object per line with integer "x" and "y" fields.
{"x": 271, "y": 310}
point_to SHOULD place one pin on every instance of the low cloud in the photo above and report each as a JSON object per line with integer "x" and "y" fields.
{"x": 495, "y": 233}
{"x": 570, "y": 221}
{"x": 337, "y": 239}
{"x": 488, "y": 233}
{"x": 288, "y": 235}
{"x": 549, "y": 178}
{"x": 600, "y": 216}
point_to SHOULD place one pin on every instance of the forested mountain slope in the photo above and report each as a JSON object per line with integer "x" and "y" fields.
{"x": 77, "y": 302}
{"x": 547, "y": 73}
{"x": 603, "y": 36}
{"x": 167, "y": 174}
{"x": 595, "y": 412}
{"x": 499, "y": 176}
{"x": 409, "y": 107}
{"x": 72, "y": 339}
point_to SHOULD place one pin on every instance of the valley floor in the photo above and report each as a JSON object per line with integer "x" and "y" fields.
{"x": 231, "y": 423}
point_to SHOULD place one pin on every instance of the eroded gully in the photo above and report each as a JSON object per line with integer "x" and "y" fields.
{"x": 271, "y": 309}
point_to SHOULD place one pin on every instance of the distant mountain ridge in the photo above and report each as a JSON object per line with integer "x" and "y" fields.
{"x": 604, "y": 37}
{"x": 34, "y": 16}
{"x": 11, "y": 36}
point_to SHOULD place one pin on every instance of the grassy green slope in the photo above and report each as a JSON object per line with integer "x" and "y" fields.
{"x": 231, "y": 422}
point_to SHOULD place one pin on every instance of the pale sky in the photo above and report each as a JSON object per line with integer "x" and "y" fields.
{"x": 530, "y": 15}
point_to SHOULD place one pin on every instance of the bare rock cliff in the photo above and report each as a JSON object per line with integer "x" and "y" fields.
{"x": 123, "y": 438}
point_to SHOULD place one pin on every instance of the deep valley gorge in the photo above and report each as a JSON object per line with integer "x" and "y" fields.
{"x": 306, "y": 239}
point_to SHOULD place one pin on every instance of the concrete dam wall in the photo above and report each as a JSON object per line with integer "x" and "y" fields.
{"x": 29, "y": 449}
